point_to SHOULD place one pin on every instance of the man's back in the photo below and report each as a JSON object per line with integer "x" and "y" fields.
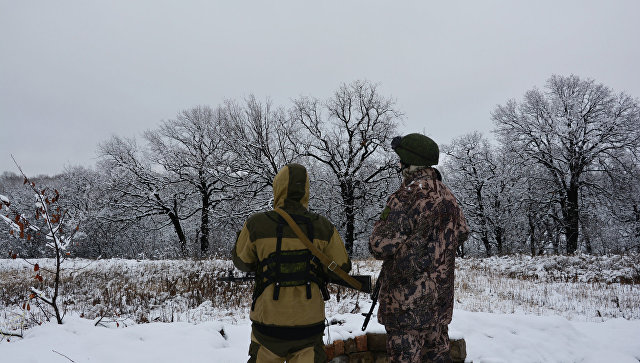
{"x": 417, "y": 237}
{"x": 290, "y": 289}
{"x": 300, "y": 300}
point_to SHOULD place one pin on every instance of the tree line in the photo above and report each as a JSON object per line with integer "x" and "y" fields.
{"x": 184, "y": 188}
{"x": 562, "y": 175}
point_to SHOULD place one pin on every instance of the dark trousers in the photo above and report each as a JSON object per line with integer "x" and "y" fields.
{"x": 266, "y": 349}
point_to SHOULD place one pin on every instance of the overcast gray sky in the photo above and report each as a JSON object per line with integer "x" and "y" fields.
{"x": 73, "y": 73}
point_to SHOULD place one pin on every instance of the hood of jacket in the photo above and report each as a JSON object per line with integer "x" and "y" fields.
{"x": 291, "y": 188}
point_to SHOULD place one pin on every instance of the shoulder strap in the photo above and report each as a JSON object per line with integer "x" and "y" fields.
{"x": 331, "y": 265}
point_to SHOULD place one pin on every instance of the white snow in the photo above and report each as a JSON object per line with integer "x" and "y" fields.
{"x": 41, "y": 295}
{"x": 81, "y": 341}
{"x": 526, "y": 338}
{"x": 490, "y": 338}
{"x": 7, "y": 220}
{"x": 540, "y": 316}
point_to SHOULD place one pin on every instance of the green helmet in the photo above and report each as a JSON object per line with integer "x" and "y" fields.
{"x": 416, "y": 149}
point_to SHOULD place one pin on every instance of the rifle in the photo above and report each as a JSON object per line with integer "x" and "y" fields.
{"x": 249, "y": 276}
{"x": 365, "y": 280}
{"x": 374, "y": 299}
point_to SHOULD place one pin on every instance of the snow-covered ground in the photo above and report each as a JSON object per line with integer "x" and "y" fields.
{"x": 498, "y": 323}
{"x": 490, "y": 338}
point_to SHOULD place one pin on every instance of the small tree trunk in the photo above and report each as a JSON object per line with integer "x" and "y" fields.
{"x": 347, "y": 191}
{"x": 556, "y": 243}
{"x": 636, "y": 213}
{"x": 182, "y": 240}
{"x": 532, "y": 235}
{"x": 56, "y": 285}
{"x": 499, "y": 240}
{"x": 204, "y": 217}
{"x": 486, "y": 243}
{"x": 204, "y": 227}
{"x": 350, "y": 231}
{"x": 586, "y": 237}
{"x": 571, "y": 219}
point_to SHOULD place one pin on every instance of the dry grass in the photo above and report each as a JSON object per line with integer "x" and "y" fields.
{"x": 488, "y": 286}
{"x": 142, "y": 291}
{"x": 127, "y": 291}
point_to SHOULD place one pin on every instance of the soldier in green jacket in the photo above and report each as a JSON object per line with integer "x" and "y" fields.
{"x": 416, "y": 237}
{"x": 287, "y": 312}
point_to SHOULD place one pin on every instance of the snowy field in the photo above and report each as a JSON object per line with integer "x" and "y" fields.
{"x": 516, "y": 309}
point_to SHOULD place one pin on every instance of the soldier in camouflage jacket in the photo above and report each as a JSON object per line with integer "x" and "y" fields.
{"x": 416, "y": 237}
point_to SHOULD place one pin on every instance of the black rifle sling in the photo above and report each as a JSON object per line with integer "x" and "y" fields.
{"x": 279, "y": 233}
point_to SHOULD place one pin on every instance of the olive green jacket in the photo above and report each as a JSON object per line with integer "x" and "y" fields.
{"x": 257, "y": 240}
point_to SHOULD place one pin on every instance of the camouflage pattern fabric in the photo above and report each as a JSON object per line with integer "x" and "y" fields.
{"x": 416, "y": 237}
{"x": 429, "y": 345}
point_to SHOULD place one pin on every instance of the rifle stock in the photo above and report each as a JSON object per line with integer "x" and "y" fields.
{"x": 232, "y": 278}
{"x": 365, "y": 280}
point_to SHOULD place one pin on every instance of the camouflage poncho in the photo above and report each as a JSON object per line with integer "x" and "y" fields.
{"x": 416, "y": 237}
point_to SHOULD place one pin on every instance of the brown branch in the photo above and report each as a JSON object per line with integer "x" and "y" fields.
{"x": 63, "y": 355}
{"x": 5, "y": 334}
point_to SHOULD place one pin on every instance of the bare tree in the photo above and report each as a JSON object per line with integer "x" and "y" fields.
{"x": 262, "y": 138}
{"x": 349, "y": 135}
{"x": 191, "y": 149}
{"x": 573, "y": 128}
{"x": 537, "y": 201}
{"x": 138, "y": 191}
{"x": 610, "y": 222}
{"x": 484, "y": 179}
{"x": 468, "y": 169}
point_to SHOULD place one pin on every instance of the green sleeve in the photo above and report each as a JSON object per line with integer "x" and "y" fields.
{"x": 336, "y": 251}
{"x": 244, "y": 252}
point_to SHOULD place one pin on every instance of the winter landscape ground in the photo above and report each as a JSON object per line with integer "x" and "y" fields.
{"x": 509, "y": 309}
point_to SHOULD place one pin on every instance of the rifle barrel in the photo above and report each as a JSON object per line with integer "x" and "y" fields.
{"x": 374, "y": 301}
{"x": 365, "y": 280}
